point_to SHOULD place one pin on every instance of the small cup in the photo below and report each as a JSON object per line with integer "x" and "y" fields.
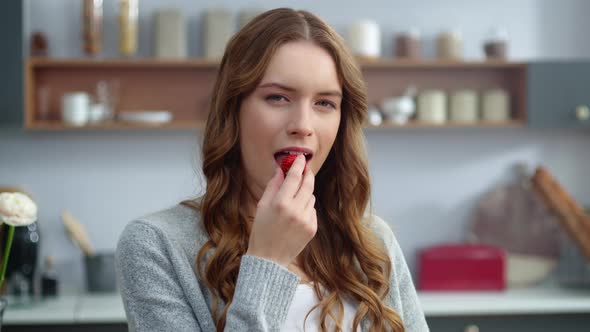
{"x": 100, "y": 272}
{"x": 97, "y": 113}
{"x": 375, "y": 117}
{"x": 107, "y": 94}
{"x": 74, "y": 108}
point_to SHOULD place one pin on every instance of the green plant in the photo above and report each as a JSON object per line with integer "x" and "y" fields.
{"x": 16, "y": 210}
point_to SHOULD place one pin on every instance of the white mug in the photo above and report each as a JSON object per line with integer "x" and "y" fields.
{"x": 75, "y": 108}
{"x": 364, "y": 39}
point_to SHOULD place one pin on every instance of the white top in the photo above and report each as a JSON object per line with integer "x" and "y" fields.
{"x": 303, "y": 300}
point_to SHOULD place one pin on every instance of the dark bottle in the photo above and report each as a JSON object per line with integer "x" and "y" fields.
{"x": 49, "y": 278}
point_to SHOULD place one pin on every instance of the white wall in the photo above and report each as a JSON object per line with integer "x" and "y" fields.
{"x": 537, "y": 28}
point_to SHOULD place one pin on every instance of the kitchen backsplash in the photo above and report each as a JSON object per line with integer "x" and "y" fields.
{"x": 425, "y": 182}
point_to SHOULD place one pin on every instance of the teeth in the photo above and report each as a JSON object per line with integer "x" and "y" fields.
{"x": 297, "y": 152}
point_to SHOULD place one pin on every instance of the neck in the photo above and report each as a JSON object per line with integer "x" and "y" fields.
{"x": 251, "y": 202}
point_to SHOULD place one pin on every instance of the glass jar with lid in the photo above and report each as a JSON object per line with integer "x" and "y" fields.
{"x": 128, "y": 26}
{"x": 407, "y": 44}
{"x": 92, "y": 26}
{"x": 450, "y": 45}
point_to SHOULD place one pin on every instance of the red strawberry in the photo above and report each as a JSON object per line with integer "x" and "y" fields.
{"x": 287, "y": 162}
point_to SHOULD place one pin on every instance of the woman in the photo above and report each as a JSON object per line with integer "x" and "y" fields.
{"x": 264, "y": 250}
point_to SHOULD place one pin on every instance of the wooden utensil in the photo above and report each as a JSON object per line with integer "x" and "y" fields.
{"x": 77, "y": 232}
{"x": 572, "y": 216}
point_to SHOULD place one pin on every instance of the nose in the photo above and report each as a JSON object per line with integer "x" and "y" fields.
{"x": 300, "y": 121}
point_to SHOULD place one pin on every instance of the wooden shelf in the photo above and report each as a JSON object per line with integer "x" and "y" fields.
{"x": 184, "y": 87}
{"x": 122, "y": 63}
{"x": 418, "y": 125}
{"x": 189, "y": 125}
{"x": 439, "y": 64}
{"x": 59, "y": 126}
{"x": 205, "y": 63}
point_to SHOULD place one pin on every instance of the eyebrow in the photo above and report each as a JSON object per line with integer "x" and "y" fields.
{"x": 334, "y": 93}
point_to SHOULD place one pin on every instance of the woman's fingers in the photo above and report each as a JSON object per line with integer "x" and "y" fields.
{"x": 307, "y": 186}
{"x": 310, "y": 214}
{"x": 293, "y": 179}
{"x": 285, "y": 218}
{"x": 272, "y": 187}
{"x": 310, "y": 203}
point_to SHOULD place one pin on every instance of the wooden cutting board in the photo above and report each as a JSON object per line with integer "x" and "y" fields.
{"x": 571, "y": 215}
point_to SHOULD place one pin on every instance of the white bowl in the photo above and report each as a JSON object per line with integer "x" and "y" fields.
{"x": 527, "y": 270}
{"x": 147, "y": 117}
{"x": 398, "y": 109}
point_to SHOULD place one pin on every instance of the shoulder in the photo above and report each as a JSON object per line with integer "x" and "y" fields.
{"x": 387, "y": 236}
{"x": 382, "y": 230}
{"x": 402, "y": 293}
{"x": 178, "y": 226}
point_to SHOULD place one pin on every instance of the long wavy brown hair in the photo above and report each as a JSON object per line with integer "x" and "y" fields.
{"x": 345, "y": 257}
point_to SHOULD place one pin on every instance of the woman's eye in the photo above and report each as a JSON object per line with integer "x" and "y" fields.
{"x": 275, "y": 98}
{"x": 325, "y": 103}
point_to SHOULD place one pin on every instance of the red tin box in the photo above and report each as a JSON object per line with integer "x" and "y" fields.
{"x": 456, "y": 267}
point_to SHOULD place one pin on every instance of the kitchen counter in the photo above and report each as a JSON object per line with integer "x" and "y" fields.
{"x": 108, "y": 308}
{"x": 525, "y": 301}
{"x": 68, "y": 309}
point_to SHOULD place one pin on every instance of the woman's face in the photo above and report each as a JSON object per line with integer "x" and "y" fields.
{"x": 295, "y": 108}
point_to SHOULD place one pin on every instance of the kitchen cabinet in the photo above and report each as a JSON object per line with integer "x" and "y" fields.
{"x": 559, "y": 94}
{"x": 546, "y": 308}
{"x": 532, "y": 323}
{"x": 11, "y": 63}
{"x": 391, "y": 77}
{"x": 182, "y": 87}
{"x": 189, "y": 85}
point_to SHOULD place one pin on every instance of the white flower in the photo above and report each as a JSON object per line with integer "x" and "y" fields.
{"x": 17, "y": 209}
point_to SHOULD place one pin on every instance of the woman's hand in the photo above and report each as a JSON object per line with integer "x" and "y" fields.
{"x": 285, "y": 218}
